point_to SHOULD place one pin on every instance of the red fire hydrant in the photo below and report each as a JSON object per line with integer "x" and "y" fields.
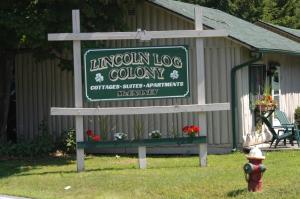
{"x": 254, "y": 170}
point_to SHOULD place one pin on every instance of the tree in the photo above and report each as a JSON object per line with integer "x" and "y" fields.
{"x": 217, "y": 4}
{"x": 282, "y": 12}
{"x": 246, "y": 9}
{"x": 250, "y": 10}
{"x": 24, "y": 26}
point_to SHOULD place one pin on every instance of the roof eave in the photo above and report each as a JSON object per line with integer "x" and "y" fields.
{"x": 277, "y": 30}
{"x": 268, "y": 50}
{"x": 205, "y": 25}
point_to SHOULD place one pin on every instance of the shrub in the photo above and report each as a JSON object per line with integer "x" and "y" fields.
{"x": 67, "y": 141}
{"x": 297, "y": 116}
{"x": 39, "y": 146}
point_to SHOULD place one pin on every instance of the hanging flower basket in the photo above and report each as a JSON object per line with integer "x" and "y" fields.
{"x": 265, "y": 103}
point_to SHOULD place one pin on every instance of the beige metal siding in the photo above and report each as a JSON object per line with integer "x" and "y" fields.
{"x": 289, "y": 85}
{"x": 42, "y": 85}
{"x": 245, "y": 117}
{"x": 289, "y": 81}
{"x": 38, "y": 87}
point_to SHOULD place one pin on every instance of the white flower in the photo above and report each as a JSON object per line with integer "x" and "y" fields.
{"x": 155, "y": 134}
{"x": 120, "y": 136}
{"x": 174, "y": 74}
{"x": 99, "y": 78}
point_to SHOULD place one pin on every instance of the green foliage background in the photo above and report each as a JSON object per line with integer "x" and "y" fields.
{"x": 24, "y": 25}
{"x": 280, "y": 12}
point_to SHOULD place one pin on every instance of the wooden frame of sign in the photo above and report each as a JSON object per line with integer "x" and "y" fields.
{"x": 201, "y": 107}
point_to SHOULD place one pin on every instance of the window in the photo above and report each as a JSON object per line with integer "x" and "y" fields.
{"x": 276, "y": 85}
{"x": 263, "y": 79}
{"x": 257, "y": 80}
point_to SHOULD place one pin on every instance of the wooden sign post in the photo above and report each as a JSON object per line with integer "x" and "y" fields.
{"x": 78, "y": 88}
{"x": 201, "y": 107}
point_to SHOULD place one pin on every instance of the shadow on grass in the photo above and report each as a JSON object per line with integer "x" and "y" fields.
{"x": 14, "y": 166}
{"x": 237, "y": 192}
{"x": 22, "y": 167}
{"x": 94, "y": 170}
{"x": 74, "y": 171}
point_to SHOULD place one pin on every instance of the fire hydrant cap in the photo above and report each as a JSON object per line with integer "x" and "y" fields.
{"x": 255, "y": 153}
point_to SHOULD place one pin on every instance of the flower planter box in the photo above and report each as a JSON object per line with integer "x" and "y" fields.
{"x": 142, "y": 144}
{"x": 146, "y": 142}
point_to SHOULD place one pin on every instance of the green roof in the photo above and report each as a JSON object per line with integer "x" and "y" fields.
{"x": 291, "y": 31}
{"x": 241, "y": 30}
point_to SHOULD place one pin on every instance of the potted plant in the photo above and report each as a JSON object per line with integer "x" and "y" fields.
{"x": 120, "y": 136}
{"x": 92, "y": 136}
{"x": 155, "y": 134}
{"x": 191, "y": 131}
{"x": 265, "y": 103}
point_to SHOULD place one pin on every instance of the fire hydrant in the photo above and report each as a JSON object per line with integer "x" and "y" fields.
{"x": 254, "y": 170}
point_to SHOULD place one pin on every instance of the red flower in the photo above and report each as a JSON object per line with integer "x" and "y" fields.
{"x": 185, "y": 129}
{"x": 196, "y": 129}
{"x": 191, "y": 130}
{"x": 270, "y": 98}
{"x": 90, "y": 133}
{"x": 96, "y": 138}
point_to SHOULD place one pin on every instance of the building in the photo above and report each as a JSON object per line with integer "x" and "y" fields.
{"x": 290, "y": 33}
{"x": 249, "y": 53}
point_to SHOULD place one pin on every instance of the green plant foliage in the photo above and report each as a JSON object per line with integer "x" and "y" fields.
{"x": 297, "y": 116}
{"x": 250, "y": 10}
{"x": 258, "y": 127}
{"x": 25, "y": 24}
{"x": 67, "y": 141}
{"x": 104, "y": 128}
{"x": 281, "y": 12}
{"x": 40, "y": 146}
{"x": 155, "y": 134}
{"x": 138, "y": 128}
{"x": 220, "y": 5}
{"x": 173, "y": 132}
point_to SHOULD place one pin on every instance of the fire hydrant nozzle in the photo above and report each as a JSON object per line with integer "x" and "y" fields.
{"x": 249, "y": 168}
{"x": 254, "y": 170}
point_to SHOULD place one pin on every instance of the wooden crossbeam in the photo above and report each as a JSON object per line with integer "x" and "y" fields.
{"x": 141, "y": 35}
{"x": 140, "y": 110}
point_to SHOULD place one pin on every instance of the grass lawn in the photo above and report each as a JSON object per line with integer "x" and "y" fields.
{"x": 166, "y": 177}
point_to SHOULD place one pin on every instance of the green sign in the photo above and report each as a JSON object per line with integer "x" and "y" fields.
{"x": 136, "y": 73}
